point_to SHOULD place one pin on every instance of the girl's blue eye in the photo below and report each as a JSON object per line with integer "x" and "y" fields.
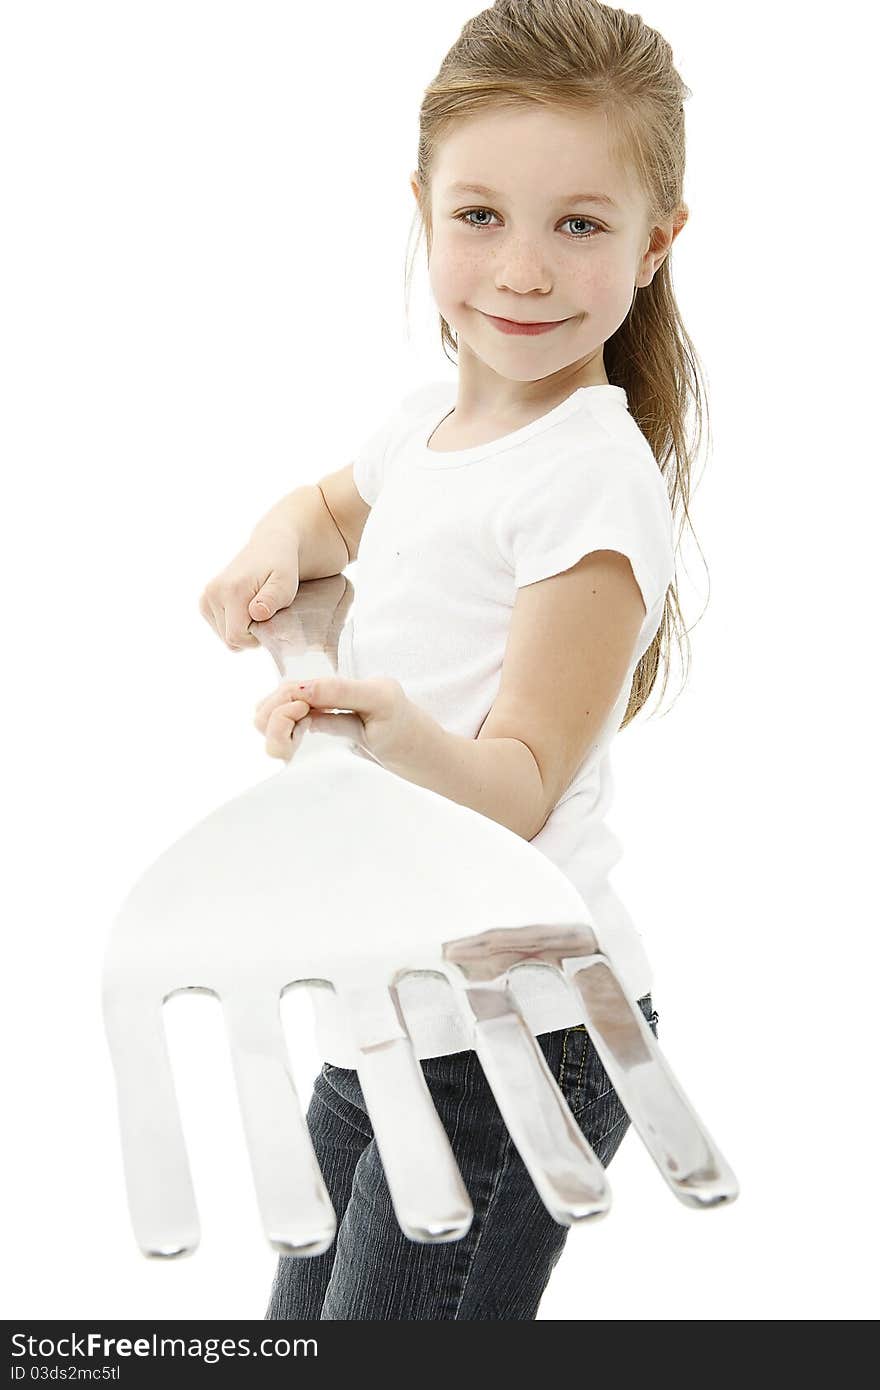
{"x": 463, "y": 216}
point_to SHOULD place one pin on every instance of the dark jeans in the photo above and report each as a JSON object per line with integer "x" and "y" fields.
{"x": 501, "y": 1267}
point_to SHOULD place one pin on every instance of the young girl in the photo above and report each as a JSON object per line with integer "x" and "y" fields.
{"x": 514, "y": 533}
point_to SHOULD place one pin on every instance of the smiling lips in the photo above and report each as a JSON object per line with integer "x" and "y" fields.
{"x": 510, "y": 326}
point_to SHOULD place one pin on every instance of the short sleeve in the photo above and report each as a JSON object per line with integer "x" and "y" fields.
{"x": 612, "y": 498}
{"x": 368, "y": 468}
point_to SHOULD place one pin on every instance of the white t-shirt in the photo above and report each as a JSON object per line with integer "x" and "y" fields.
{"x": 450, "y": 538}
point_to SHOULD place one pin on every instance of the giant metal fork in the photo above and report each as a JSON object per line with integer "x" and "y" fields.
{"x": 245, "y": 906}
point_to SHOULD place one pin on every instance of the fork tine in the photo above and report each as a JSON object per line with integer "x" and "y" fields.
{"x": 427, "y": 1191}
{"x": 158, "y": 1181}
{"x": 569, "y": 1178}
{"x": 669, "y": 1127}
{"x": 295, "y": 1207}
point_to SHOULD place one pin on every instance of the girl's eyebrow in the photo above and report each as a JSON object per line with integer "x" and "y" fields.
{"x": 570, "y": 198}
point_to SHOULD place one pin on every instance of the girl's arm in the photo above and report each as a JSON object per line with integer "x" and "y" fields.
{"x": 571, "y": 642}
{"x": 313, "y": 532}
{"x": 569, "y": 647}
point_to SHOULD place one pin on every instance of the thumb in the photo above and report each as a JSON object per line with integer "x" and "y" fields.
{"x": 268, "y": 600}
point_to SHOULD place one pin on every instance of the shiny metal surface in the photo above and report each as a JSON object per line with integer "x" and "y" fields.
{"x": 335, "y": 872}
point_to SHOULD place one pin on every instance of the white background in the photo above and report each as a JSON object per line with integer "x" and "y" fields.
{"x": 205, "y": 223}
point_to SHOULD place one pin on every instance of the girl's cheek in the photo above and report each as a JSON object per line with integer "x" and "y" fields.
{"x": 451, "y": 270}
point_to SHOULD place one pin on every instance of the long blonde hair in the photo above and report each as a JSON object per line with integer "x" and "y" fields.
{"x": 578, "y": 56}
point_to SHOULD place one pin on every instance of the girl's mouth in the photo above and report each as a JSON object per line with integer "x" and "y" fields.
{"x": 510, "y": 326}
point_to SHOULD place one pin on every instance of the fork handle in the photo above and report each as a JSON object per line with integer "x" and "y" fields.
{"x": 303, "y": 641}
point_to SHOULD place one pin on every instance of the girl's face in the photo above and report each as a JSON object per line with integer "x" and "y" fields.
{"x": 532, "y": 251}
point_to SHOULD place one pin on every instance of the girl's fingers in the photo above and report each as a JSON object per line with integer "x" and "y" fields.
{"x": 280, "y": 727}
{"x": 286, "y": 691}
{"x": 289, "y": 710}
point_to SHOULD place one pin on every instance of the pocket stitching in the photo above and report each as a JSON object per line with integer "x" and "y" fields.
{"x": 577, "y": 1028}
{"x": 578, "y": 1081}
{"x": 582, "y": 1109}
{"x": 623, "y": 1119}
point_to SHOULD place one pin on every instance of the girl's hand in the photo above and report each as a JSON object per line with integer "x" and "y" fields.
{"x": 258, "y": 581}
{"x": 390, "y": 720}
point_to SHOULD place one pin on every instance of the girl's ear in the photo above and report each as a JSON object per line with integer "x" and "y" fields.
{"x": 415, "y": 185}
